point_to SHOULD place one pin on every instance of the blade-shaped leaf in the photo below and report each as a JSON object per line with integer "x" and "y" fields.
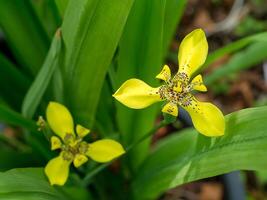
{"x": 31, "y": 184}
{"x": 9, "y": 116}
{"x": 24, "y": 33}
{"x": 13, "y": 83}
{"x": 189, "y": 156}
{"x": 91, "y": 30}
{"x": 252, "y": 55}
{"x": 140, "y": 56}
{"x": 38, "y": 87}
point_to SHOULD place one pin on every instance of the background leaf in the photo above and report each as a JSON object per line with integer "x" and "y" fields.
{"x": 24, "y": 33}
{"x": 31, "y": 184}
{"x": 91, "y": 31}
{"x": 188, "y": 156}
{"x": 140, "y": 56}
{"x": 40, "y": 84}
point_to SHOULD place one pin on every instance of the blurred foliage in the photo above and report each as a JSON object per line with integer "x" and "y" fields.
{"x": 78, "y": 52}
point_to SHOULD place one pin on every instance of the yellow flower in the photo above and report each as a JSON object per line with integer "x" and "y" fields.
{"x": 206, "y": 117}
{"x": 73, "y": 147}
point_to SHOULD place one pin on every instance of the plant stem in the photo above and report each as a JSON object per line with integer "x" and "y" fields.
{"x": 99, "y": 168}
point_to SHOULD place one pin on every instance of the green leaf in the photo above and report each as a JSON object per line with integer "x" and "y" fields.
{"x": 24, "y": 33}
{"x": 188, "y": 156}
{"x": 174, "y": 10}
{"x": 40, "y": 84}
{"x": 12, "y": 79}
{"x": 91, "y": 30}
{"x": 234, "y": 46}
{"x": 14, "y": 159}
{"x": 9, "y": 116}
{"x": 30, "y": 184}
{"x": 252, "y": 55}
{"x": 140, "y": 56}
{"x": 61, "y": 6}
{"x": 48, "y": 14}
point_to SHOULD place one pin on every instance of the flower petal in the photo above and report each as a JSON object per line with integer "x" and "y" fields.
{"x": 136, "y": 94}
{"x": 198, "y": 84}
{"x": 81, "y": 131}
{"x": 79, "y": 160}
{"x": 192, "y": 52}
{"x": 59, "y": 119}
{"x": 206, "y": 117}
{"x": 55, "y": 143}
{"x": 57, "y": 170}
{"x": 105, "y": 150}
{"x": 170, "y": 108}
{"x": 165, "y": 74}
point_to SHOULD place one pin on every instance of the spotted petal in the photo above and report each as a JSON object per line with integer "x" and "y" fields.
{"x": 192, "y": 52}
{"x": 59, "y": 119}
{"x": 171, "y": 109}
{"x": 105, "y": 150}
{"x": 206, "y": 117}
{"x": 165, "y": 74}
{"x": 136, "y": 94}
{"x": 198, "y": 84}
{"x": 57, "y": 170}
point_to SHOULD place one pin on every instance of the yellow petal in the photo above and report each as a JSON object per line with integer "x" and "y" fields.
{"x": 81, "y": 131}
{"x": 59, "y": 119}
{"x": 105, "y": 150}
{"x": 136, "y": 94}
{"x": 57, "y": 170}
{"x": 165, "y": 74}
{"x": 55, "y": 143}
{"x": 79, "y": 160}
{"x": 192, "y": 52}
{"x": 171, "y": 109}
{"x": 198, "y": 84}
{"x": 206, "y": 117}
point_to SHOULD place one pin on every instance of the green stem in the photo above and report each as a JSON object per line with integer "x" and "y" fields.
{"x": 99, "y": 168}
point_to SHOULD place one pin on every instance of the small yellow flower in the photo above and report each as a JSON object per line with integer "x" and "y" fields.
{"x": 206, "y": 117}
{"x": 73, "y": 147}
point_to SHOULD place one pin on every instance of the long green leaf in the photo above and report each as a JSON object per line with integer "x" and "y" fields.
{"x": 252, "y": 55}
{"x": 31, "y": 184}
{"x": 234, "y": 46}
{"x": 174, "y": 10}
{"x": 91, "y": 30}
{"x": 13, "y": 83}
{"x": 39, "y": 86}
{"x": 189, "y": 156}
{"x": 9, "y": 116}
{"x": 140, "y": 56}
{"x": 24, "y": 33}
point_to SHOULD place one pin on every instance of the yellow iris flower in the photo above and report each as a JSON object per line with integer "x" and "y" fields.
{"x": 73, "y": 147}
{"x": 206, "y": 117}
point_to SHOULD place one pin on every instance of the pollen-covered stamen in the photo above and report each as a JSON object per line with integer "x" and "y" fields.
{"x": 74, "y": 146}
{"x": 67, "y": 155}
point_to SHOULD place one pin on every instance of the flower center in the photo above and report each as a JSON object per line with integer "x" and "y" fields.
{"x": 73, "y": 146}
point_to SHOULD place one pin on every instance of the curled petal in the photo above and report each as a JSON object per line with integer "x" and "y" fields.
{"x": 171, "y": 109}
{"x": 79, "y": 160}
{"x": 136, "y": 94}
{"x": 59, "y": 119}
{"x": 57, "y": 170}
{"x": 105, "y": 150}
{"x": 198, "y": 84}
{"x": 81, "y": 131}
{"x": 165, "y": 74}
{"x": 206, "y": 117}
{"x": 192, "y": 52}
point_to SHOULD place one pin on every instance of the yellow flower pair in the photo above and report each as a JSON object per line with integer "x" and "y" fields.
{"x": 73, "y": 147}
{"x": 177, "y": 90}
{"x": 135, "y": 93}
